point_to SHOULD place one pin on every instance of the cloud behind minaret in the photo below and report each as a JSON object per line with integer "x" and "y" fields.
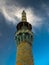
{"x": 12, "y": 13}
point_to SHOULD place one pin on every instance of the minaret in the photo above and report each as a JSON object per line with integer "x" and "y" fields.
{"x": 24, "y": 38}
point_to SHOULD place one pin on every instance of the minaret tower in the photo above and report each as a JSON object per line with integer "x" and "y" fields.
{"x": 24, "y": 38}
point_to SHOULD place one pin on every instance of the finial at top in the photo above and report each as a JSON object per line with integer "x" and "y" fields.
{"x": 24, "y": 16}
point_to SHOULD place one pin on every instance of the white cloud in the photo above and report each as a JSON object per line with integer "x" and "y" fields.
{"x": 8, "y": 17}
{"x": 12, "y": 14}
{"x": 31, "y": 17}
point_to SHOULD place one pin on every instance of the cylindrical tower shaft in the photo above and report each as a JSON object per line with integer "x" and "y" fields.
{"x": 24, "y": 38}
{"x": 24, "y": 54}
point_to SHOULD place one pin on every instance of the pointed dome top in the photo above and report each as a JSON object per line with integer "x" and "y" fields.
{"x": 23, "y": 12}
{"x": 24, "y": 16}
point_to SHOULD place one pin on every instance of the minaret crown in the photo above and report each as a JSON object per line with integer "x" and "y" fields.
{"x": 24, "y": 19}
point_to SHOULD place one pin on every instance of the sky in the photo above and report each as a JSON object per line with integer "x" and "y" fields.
{"x": 37, "y": 12}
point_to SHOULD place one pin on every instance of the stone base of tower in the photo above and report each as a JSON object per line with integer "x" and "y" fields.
{"x": 24, "y": 54}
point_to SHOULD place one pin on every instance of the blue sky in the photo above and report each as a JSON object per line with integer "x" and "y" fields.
{"x": 38, "y": 15}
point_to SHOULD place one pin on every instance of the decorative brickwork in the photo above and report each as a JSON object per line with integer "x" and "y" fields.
{"x": 24, "y": 54}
